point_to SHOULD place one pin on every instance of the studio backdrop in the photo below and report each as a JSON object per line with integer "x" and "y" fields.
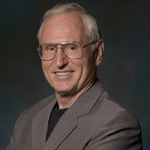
{"x": 124, "y": 71}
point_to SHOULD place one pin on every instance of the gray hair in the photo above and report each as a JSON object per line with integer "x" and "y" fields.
{"x": 89, "y": 21}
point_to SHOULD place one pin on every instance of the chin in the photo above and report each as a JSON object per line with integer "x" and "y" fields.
{"x": 64, "y": 91}
{"x": 59, "y": 89}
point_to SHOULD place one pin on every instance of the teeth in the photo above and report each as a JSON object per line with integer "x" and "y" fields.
{"x": 63, "y": 73}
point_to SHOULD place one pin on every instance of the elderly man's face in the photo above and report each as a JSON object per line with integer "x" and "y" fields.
{"x": 68, "y": 76}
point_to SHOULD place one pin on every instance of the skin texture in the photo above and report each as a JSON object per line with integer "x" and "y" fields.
{"x": 70, "y": 78}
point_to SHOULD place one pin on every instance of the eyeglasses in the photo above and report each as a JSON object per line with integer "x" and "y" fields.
{"x": 72, "y": 50}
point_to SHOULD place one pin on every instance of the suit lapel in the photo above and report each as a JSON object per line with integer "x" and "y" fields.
{"x": 64, "y": 127}
{"x": 39, "y": 126}
{"x": 69, "y": 121}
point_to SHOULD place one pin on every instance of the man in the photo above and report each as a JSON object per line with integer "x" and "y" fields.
{"x": 81, "y": 115}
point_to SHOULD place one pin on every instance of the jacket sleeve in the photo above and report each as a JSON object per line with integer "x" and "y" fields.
{"x": 20, "y": 134}
{"x": 123, "y": 132}
{"x": 10, "y": 145}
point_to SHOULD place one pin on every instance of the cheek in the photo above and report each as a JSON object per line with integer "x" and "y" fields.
{"x": 45, "y": 68}
{"x": 89, "y": 61}
{"x": 87, "y": 67}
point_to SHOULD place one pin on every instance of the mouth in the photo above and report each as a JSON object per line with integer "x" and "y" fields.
{"x": 65, "y": 73}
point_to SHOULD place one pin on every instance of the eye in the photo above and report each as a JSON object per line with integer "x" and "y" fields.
{"x": 71, "y": 47}
{"x": 50, "y": 48}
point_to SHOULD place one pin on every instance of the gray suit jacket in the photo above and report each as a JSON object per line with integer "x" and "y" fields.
{"x": 93, "y": 122}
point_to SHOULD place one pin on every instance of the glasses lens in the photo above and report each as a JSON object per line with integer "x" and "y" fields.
{"x": 47, "y": 51}
{"x": 72, "y": 50}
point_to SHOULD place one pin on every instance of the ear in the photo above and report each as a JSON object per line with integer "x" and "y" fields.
{"x": 99, "y": 52}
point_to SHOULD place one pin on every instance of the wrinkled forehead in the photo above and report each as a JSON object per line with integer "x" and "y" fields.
{"x": 64, "y": 25}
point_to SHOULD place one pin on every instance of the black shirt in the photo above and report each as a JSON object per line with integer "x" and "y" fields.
{"x": 54, "y": 117}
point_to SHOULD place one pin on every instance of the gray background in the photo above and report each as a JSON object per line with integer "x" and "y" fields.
{"x": 124, "y": 72}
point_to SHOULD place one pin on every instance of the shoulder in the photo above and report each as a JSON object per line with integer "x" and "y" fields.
{"x": 29, "y": 113}
{"x": 115, "y": 121}
{"x": 112, "y": 123}
{"x": 112, "y": 109}
{"x": 107, "y": 111}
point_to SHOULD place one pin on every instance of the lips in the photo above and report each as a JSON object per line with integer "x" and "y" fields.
{"x": 63, "y": 73}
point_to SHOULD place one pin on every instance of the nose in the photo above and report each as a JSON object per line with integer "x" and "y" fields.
{"x": 60, "y": 59}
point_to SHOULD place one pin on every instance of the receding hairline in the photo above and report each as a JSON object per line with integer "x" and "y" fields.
{"x": 89, "y": 21}
{"x": 64, "y": 8}
{"x": 75, "y": 12}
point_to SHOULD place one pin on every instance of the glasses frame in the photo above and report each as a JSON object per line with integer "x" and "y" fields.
{"x": 39, "y": 49}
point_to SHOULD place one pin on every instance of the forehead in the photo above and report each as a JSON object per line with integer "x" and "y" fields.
{"x": 63, "y": 27}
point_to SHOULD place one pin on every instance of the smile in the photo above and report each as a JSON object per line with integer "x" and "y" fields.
{"x": 63, "y": 73}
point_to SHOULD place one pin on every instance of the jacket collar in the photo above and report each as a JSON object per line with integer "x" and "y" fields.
{"x": 67, "y": 123}
{"x": 39, "y": 126}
